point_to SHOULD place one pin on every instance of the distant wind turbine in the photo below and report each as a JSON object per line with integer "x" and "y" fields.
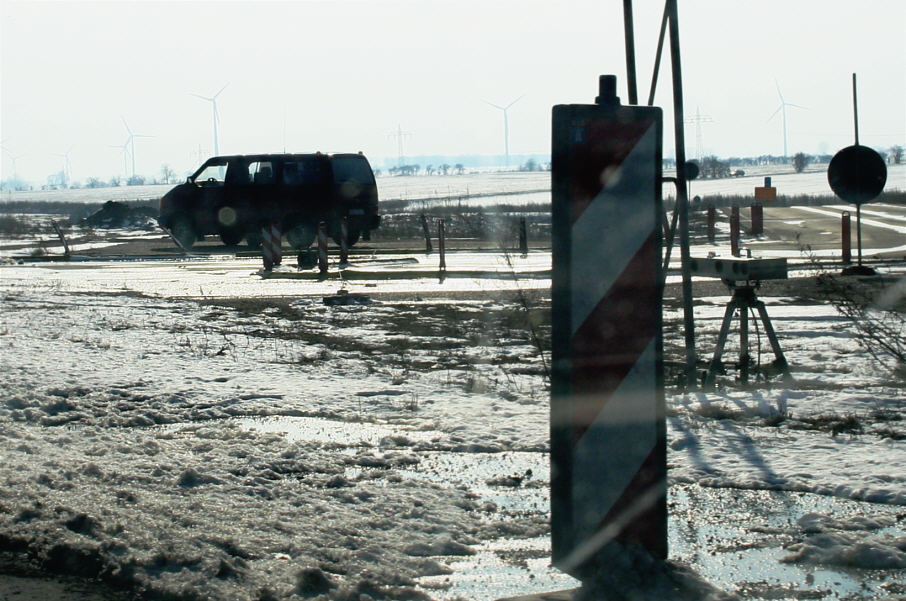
{"x": 124, "y": 147}
{"x": 213, "y": 101}
{"x": 131, "y": 142}
{"x": 67, "y": 166}
{"x": 13, "y": 158}
{"x": 782, "y": 109}
{"x": 506, "y": 126}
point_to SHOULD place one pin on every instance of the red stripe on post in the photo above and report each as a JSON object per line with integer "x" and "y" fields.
{"x": 609, "y": 144}
{"x": 610, "y": 341}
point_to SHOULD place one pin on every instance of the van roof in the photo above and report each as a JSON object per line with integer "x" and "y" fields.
{"x": 284, "y": 156}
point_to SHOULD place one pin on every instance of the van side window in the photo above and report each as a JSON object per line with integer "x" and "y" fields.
{"x": 237, "y": 173}
{"x": 302, "y": 172}
{"x": 293, "y": 173}
{"x": 262, "y": 172}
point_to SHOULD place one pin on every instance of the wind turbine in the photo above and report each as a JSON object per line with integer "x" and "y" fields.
{"x": 506, "y": 126}
{"x": 131, "y": 142}
{"x": 124, "y": 147}
{"x": 782, "y": 109}
{"x": 67, "y": 166}
{"x": 213, "y": 101}
{"x": 13, "y": 158}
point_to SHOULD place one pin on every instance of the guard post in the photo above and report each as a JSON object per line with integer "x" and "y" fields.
{"x": 608, "y": 442}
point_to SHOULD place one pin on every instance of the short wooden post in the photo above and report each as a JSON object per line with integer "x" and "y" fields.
{"x": 523, "y": 237}
{"x": 846, "y": 234}
{"x": 428, "y": 248}
{"x": 442, "y": 245}
{"x": 734, "y": 230}
{"x": 757, "y": 219}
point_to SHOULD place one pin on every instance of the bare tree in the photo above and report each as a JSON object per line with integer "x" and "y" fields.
{"x": 896, "y": 154}
{"x": 878, "y": 317}
{"x": 800, "y": 161}
{"x": 166, "y": 173}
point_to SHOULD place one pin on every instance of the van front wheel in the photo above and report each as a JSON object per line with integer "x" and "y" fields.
{"x": 183, "y": 232}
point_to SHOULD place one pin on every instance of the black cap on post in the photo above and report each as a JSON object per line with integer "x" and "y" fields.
{"x": 607, "y": 90}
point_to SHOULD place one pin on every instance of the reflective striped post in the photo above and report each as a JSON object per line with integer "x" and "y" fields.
{"x": 344, "y": 241}
{"x": 608, "y": 434}
{"x": 322, "y": 247}
{"x": 271, "y": 251}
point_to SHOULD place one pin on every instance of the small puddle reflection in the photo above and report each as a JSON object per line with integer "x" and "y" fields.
{"x": 735, "y": 539}
{"x": 314, "y": 429}
{"x": 501, "y": 568}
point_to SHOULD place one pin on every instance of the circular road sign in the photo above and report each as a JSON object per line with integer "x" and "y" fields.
{"x": 857, "y": 174}
{"x": 692, "y": 170}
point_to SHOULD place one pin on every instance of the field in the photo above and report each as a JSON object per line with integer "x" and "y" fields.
{"x": 180, "y": 427}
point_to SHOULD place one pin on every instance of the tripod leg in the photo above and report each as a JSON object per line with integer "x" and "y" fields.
{"x": 775, "y": 345}
{"x": 721, "y": 341}
{"x": 744, "y": 344}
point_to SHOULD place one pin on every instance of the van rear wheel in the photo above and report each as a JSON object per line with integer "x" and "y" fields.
{"x": 301, "y": 235}
{"x": 253, "y": 239}
{"x": 230, "y": 237}
{"x": 353, "y": 236}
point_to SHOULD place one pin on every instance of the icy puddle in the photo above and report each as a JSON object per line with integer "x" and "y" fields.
{"x": 783, "y": 545}
{"x": 512, "y": 481}
{"x": 354, "y": 434}
{"x": 507, "y": 567}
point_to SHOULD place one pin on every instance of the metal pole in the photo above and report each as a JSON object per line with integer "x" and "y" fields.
{"x": 657, "y": 58}
{"x": 681, "y": 192}
{"x": 630, "y": 52}
{"x": 855, "y": 110}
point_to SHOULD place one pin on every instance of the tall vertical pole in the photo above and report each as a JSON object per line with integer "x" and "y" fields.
{"x": 858, "y": 205}
{"x": 855, "y": 109}
{"x": 214, "y": 117}
{"x": 681, "y": 192}
{"x": 629, "y": 36}
{"x": 506, "y": 136}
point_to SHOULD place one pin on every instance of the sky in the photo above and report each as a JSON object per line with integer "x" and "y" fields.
{"x": 348, "y": 76}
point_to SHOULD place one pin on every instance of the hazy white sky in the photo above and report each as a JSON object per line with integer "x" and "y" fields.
{"x": 343, "y": 75}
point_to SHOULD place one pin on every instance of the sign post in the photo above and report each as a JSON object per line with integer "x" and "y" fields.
{"x": 608, "y": 443}
{"x": 857, "y": 174}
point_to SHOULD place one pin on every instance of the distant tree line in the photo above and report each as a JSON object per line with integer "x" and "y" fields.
{"x": 711, "y": 167}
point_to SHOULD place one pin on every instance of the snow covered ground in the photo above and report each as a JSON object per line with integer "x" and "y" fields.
{"x": 192, "y": 430}
{"x": 250, "y": 442}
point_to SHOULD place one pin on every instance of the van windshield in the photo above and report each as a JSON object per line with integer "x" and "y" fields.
{"x": 211, "y": 172}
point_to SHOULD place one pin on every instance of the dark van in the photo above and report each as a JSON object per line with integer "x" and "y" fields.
{"x": 234, "y": 196}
